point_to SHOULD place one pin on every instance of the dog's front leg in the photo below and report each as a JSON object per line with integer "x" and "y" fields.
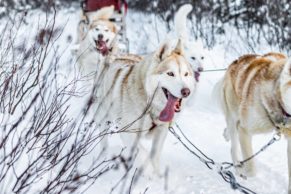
{"x": 159, "y": 136}
{"x": 289, "y": 163}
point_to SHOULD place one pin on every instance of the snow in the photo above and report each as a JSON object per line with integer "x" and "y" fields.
{"x": 201, "y": 121}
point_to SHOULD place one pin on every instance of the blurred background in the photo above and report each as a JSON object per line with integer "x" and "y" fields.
{"x": 259, "y": 20}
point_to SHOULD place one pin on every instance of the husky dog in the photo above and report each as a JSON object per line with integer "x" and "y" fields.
{"x": 146, "y": 95}
{"x": 96, "y": 39}
{"x": 193, "y": 54}
{"x": 255, "y": 96}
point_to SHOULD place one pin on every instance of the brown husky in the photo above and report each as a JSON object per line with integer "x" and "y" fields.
{"x": 255, "y": 95}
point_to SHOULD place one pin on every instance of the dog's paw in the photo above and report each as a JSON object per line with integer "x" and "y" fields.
{"x": 249, "y": 172}
{"x": 245, "y": 171}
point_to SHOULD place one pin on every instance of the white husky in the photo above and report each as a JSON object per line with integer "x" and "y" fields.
{"x": 145, "y": 96}
{"x": 255, "y": 96}
{"x": 96, "y": 39}
{"x": 193, "y": 54}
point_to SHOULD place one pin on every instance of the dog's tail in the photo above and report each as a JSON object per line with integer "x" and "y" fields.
{"x": 218, "y": 98}
{"x": 218, "y": 95}
{"x": 180, "y": 21}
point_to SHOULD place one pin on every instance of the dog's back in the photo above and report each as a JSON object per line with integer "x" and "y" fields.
{"x": 248, "y": 96}
{"x": 246, "y": 75}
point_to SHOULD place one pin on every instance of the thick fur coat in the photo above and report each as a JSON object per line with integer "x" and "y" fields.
{"x": 255, "y": 96}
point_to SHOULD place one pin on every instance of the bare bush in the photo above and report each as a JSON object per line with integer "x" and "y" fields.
{"x": 267, "y": 21}
{"x": 43, "y": 147}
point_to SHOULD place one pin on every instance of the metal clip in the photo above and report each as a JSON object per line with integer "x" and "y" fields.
{"x": 277, "y": 136}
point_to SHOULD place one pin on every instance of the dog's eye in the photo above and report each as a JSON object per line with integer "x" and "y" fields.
{"x": 97, "y": 29}
{"x": 106, "y": 30}
{"x": 202, "y": 58}
{"x": 193, "y": 58}
{"x": 186, "y": 74}
{"x": 170, "y": 74}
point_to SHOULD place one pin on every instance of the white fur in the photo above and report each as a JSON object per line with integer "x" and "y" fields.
{"x": 255, "y": 110}
{"x": 88, "y": 56}
{"x": 180, "y": 21}
{"x": 127, "y": 99}
{"x": 285, "y": 90}
{"x": 192, "y": 52}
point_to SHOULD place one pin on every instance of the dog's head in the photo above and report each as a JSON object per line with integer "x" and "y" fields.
{"x": 102, "y": 31}
{"x": 173, "y": 77}
{"x": 195, "y": 55}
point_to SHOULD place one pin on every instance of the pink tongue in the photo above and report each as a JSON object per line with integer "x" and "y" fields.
{"x": 168, "y": 113}
{"x": 197, "y": 75}
{"x": 102, "y": 47}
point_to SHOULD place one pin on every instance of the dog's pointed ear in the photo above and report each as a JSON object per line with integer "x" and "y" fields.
{"x": 179, "y": 47}
{"x": 163, "y": 51}
{"x": 104, "y": 13}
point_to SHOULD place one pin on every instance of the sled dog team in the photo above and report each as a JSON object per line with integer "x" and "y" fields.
{"x": 148, "y": 92}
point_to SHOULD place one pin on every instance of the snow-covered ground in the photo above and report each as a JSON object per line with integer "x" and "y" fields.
{"x": 202, "y": 122}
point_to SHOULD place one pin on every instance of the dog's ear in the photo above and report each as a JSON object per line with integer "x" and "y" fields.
{"x": 104, "y": 13}
{"x": 163, "y": 51}
{"x": 179, "y": 48}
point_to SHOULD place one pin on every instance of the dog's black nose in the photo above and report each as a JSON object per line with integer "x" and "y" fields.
{"x": 185, "y": 92}
{"x": 100, "y": 36}
{"x": 200, "y": 69}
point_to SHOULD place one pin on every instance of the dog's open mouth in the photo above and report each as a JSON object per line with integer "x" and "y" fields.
{"x": 197, "y": 75}
{"x": 173, "y": 105}
{"x": 102, "y": 47}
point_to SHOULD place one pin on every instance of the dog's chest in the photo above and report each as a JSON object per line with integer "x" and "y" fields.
{"x": 140, "y": 123}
